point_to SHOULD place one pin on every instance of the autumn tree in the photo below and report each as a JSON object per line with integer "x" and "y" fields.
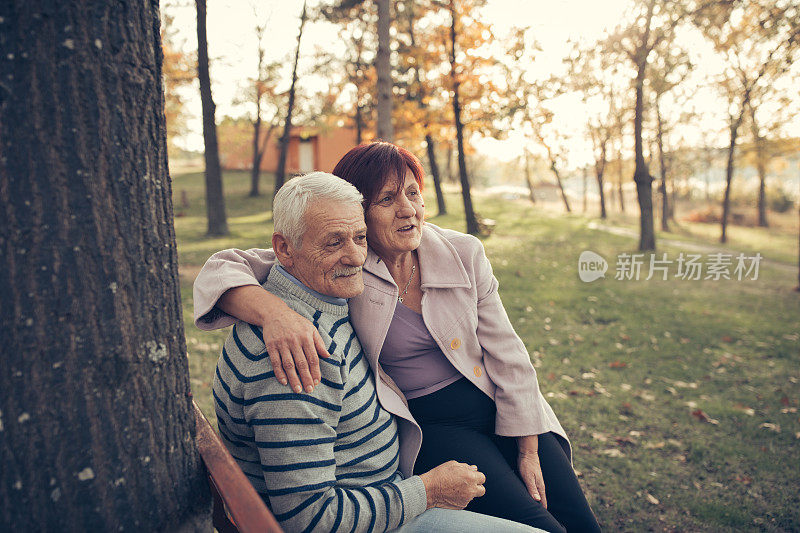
{"x": 383, "y": 67}
{"x": 422, "y": 111}
{"x": 280, "y": 172}
{"x": 215, "y": 200}
{"x": 262, "y": 91}
{"x": 768, "y": 112}
{"x": 594, "y": 73}
{"x": 178, "y": 72}
{"x": 759, "y": 41}
{"x": 357, "y": 22}
{"x": 96, "y": 415}
{"x": 456, "y": 73}
{"x": 670, "y": 67}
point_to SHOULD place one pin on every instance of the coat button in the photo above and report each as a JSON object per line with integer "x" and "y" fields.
{"x": 455, "y": 343}
{"x": 478, "y": 371}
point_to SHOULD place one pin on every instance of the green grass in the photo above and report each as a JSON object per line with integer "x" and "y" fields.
{"x": 623, "y": 363}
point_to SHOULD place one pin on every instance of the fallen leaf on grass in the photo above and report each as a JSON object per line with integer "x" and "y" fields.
{"x": 746, "y": 410}
{"x": 727, "y": 338}
{"x": 744, "y": 479}
{"x": 650, "y": 498}
{"x": 613, "y": 452}
{"x": 625, "y": 441}
{"x": 785, "y": 401}
{"x": 788, "y": 410}
{"x": 772, "y": 427}
{"x": 618, "y": 364}
{"x": 702, "y": 417}
{"x": 599, "y": 437}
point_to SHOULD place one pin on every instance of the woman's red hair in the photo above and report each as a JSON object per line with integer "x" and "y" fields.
{"x": 370, "y": 166}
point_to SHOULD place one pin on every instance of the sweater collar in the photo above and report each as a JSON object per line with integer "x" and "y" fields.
{"x": 439, "y": 263}
{"x": 279, "y": 284}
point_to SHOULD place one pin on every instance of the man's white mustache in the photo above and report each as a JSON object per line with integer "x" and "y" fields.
{"x": 349, "y": 271}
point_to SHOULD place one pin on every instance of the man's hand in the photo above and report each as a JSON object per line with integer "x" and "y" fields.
{"x": 530, "y": 470}
{"x": 293, "y": 343}
{"x": 453, "y": 485}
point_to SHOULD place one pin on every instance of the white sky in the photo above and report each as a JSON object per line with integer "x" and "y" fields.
{"x": 232, "y": 48}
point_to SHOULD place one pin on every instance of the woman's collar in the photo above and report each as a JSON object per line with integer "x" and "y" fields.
{"x": 440, "y": 264}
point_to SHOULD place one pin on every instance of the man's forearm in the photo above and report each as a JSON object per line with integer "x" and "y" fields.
{"x": 251, "y": 303}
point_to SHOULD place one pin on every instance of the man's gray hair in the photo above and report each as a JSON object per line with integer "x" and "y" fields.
{"x": 292, "y": 201}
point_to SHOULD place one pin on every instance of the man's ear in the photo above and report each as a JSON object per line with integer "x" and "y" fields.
{"x": 283, "y": 249}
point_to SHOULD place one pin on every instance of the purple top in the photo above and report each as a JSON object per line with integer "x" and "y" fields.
{"x": 412, "y": 358}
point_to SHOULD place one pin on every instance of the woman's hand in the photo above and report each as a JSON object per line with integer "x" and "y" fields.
{"x": 293, "y": 343}
{"x": 530, "y": 470}
{"x": 452, "y": 485}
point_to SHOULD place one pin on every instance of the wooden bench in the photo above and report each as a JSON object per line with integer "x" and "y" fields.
{"x": 237, "y": 505}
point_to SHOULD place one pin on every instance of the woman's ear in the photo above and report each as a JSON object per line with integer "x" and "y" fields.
{"x": 283, "y": 249}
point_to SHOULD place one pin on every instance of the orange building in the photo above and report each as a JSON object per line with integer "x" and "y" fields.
{"x": 309, "y": 148}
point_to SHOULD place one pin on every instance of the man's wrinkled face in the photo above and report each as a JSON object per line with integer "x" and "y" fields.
{"x": 333, "y": 249}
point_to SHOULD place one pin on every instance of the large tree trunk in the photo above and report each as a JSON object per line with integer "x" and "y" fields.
{"x": 96, "y": 421}
{"x": 662, "y": 167}
{"x": 215, "y": 200}
{"x": 469, "y": 212}
{"x": 384, "y": 71}
{"x": 280, "y": 171}
{"x": 437, "y": 181}
{"x": 641, "y": 174}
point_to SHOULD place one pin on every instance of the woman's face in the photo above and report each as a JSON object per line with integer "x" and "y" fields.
{"x": 395, "y": 218}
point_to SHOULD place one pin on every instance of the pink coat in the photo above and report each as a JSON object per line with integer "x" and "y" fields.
{"x": 461, "y": 308}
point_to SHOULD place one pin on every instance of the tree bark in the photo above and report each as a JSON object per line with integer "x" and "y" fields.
{"x": 384, "y": 71}
{"x": 557, "y": 174}
{"x": 601, "y": 145}
{"x": 734, "y": 132}
{"x": 662, "y": 167}
{"x": 469, "y": 212}
{"x": 280, "y": 171}
{"x": 255, "y": 172}
{"x": 641, "y": 174}
{"x": 437, "y": 181}
{"x": 95, "y": 415}
{"x": 761, "y": 168}
{"x": 215, "y": 199}
{"x": 599, "y": 169}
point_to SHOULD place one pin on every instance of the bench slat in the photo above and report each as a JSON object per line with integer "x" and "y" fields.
{"x": 245, "y": 506}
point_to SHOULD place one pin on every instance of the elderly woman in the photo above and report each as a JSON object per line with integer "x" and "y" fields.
{"x": 448, "y": 358}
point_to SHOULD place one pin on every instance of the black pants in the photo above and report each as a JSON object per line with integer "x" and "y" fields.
{"x": 458, "y": 423}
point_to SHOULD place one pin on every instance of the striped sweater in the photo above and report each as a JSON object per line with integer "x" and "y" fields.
{"x": 324, "y": 461}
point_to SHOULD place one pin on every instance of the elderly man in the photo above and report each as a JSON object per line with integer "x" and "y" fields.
{"x": 329, "y": 460}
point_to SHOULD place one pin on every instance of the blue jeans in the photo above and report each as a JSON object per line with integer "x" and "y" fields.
{"x": 451, "y": 521}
